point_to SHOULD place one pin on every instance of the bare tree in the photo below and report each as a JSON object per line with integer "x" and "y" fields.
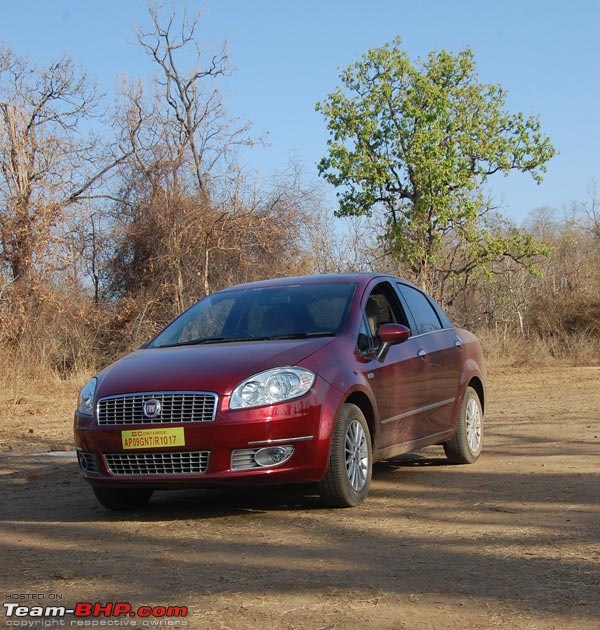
{"x": 591, "y": 209}
{"x": 179, "y": 213}
{"x": 47, "y": 161}
{"x": 198, "y": 119}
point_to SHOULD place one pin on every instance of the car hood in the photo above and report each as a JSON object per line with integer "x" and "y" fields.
{"x": 217, "y": 367}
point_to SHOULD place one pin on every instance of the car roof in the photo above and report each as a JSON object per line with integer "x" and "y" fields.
{"x": 362, "y": 279}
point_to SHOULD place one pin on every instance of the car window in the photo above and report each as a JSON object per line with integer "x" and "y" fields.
{"x": 207, "y": 318}
{"x": 209, "y": 322}
{"x": 446, "y": 321}
{"x": 327, "y": 311}
{"x": 265, "y": 312}
{"x": 425, "y": 316}
{"x": 382, "y": 307}
{"x": 366, "y": 341}
{"x": 295, "y": 313}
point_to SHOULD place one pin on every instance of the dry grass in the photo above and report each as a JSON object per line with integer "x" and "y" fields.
{"x": 36, "y": 405}
{"x": 510, "y": 349}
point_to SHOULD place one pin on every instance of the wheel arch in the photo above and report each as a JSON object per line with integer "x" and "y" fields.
{"x": 362, "y": 401}
{"x": 477, "y": 385}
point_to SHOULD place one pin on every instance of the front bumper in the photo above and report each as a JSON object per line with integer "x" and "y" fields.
{"x": 205, "y": 457}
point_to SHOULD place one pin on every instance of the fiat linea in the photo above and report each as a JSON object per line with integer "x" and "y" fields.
{"x": 288, "y": 381}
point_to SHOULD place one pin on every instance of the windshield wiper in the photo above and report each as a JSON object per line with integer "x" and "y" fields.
{"x": 191, "y": 342}
{"x": 304, "y": 335}
{"x": 202, "y": 340}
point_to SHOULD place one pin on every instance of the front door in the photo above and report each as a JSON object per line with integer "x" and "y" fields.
{"x": 401, "y": 380}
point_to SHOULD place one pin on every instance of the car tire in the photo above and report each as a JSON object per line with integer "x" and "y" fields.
{"x": 122, "y": 499}
{"x": 348, "y": 477}
{"x": 465, "y": 447}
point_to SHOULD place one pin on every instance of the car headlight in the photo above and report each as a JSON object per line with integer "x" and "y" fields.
{"x": 85, "y": 405}
{"x": 272, "y": 386}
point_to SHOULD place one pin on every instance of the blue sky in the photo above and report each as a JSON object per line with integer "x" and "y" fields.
{"x": 287, "y": 56}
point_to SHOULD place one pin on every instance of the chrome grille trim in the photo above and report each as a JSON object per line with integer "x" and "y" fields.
{"x": 126, "y": 409}
{"x": 87, "y": 462}
{"x": 304, "y": 438}
{"x": 168, "y": 463}
{"x": 243, "y": 459}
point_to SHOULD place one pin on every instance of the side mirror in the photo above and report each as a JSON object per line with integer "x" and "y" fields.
{"x": 390, "y": 335}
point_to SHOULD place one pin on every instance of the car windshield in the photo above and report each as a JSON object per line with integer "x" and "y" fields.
{"x": 279, "y": 312}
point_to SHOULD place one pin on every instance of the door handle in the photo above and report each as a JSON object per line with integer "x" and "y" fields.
{"x": 421, "y": 354}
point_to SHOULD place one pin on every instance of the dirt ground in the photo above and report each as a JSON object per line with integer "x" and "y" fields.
{"x": 510, "y": 542}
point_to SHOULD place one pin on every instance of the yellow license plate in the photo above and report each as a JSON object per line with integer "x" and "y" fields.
{"x": 153, "y": 438}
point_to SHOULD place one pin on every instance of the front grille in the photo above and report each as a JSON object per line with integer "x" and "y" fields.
{"x": 182, "y": 463}
{"x": 174, "y": 407}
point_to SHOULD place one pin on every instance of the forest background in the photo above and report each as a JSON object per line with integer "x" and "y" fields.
{"x": 118, "y": 213}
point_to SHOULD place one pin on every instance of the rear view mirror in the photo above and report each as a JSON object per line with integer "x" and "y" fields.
{"x": 393, "y": 333}
{"x": 389, "y": 335}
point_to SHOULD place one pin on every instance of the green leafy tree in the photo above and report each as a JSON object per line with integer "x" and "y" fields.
{"x": 419, "y": 141}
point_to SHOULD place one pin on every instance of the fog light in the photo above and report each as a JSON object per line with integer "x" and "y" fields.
{"x": 87, "y": 462}
{"x": 273, "y": 455}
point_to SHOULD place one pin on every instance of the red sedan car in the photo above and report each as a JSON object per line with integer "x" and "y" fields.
{"x": 293, "y": 380}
